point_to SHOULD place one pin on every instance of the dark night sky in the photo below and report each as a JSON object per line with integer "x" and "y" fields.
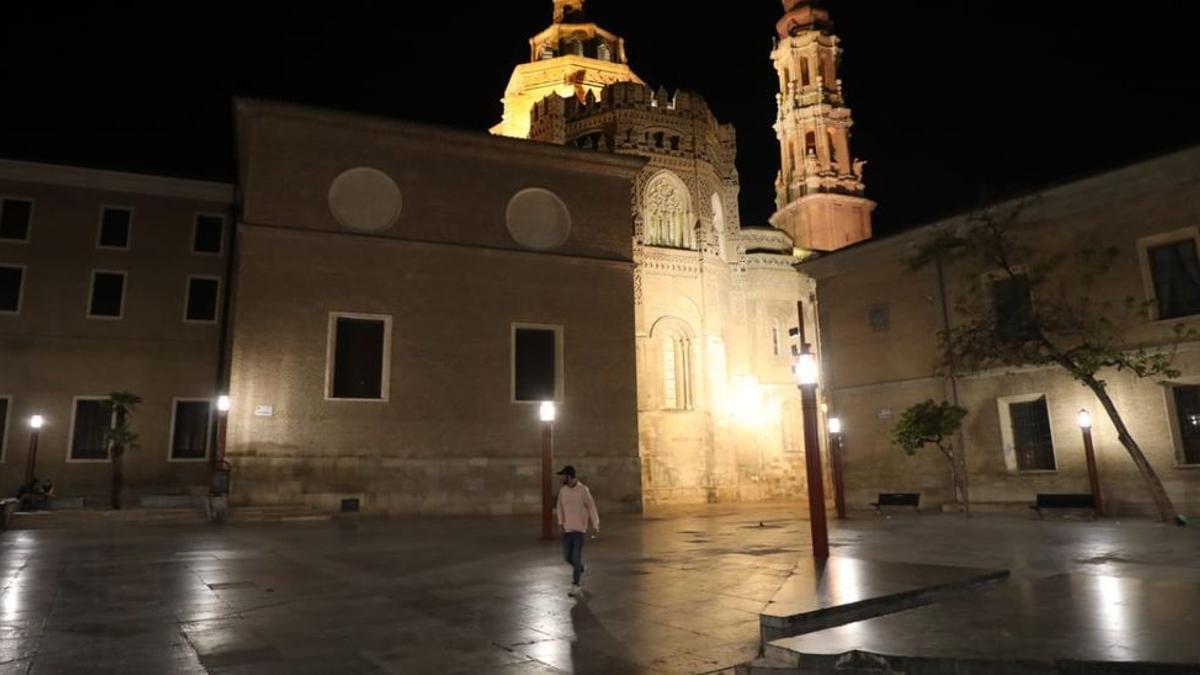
{"x": 955, "y": 101}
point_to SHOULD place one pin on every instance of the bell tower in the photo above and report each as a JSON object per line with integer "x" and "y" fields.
{"x": 570, "y": 58}
{"x": 819, "y": 193}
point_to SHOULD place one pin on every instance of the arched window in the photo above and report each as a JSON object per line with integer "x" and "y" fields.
{"x": 673, "y": 339}
{"x": 805, "y": 75}
{"x": 666, "y": 213}
{"x": 810, "y": 143}
{"x": 833, "y": 148}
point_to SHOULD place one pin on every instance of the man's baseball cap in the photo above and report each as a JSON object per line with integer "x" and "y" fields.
{"x": 567, "y": 470}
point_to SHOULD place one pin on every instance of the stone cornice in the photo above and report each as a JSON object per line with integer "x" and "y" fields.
{"x": 115, "y": 181}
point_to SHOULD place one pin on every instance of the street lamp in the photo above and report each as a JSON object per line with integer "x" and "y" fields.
{"x": 35, "y": 426}
{"x": 547, "y": 412}
{"x": 807, "y": 373}
{"x": 835, "y": 447}
{"x": 223, "y": 405}
{"x": 1089, "y": 452}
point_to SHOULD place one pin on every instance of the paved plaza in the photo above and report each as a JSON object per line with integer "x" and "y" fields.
{"x": 671, "y": 592}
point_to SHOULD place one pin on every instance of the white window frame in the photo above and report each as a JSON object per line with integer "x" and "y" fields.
{"x": 92, "y": 289}
{"x": 100, "y": 228}
{"x": 21, "y": 291}
{"x": 385, "y": 385}
{"x": 187, "y": 288}
{"x": 208, "y": 428}
{"x": 559, "y": 360}
{"x": 1173, "y": 417}
{"x": 71, "y": 433}
{"x": 32, "y": 213}
{"x": 196, "y": 227}
{"x": 1008, "y": 444}
{"x": 8, "y": 415}
{"x": 1144, "y": 244}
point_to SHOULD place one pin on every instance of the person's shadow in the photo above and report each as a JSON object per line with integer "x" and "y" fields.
{"x": 594, "y": 649}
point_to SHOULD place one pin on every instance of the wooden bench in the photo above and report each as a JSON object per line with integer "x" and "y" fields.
{"x": 912, "y": 499}
{"x": 1063, "y": 501}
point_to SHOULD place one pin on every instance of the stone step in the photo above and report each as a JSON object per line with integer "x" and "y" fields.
{"x": 276, "y": 513}
{"x": 95, "y": 517}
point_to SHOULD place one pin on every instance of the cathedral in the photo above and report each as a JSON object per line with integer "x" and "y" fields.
{"x": 383, "y": 345}
{"x": 718, "y": 411}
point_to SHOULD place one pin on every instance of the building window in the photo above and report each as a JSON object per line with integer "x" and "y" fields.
{"x": 880, "y": 317}
{"x": 1012, "y": 305}
{"x": 359, "y": 364}
{"x": 666, "y": 207}
{"x": 107, "y": 297}
{"x": 805, "y": 73}
{"x": 92, "y": 418}
{"x": 536, "y": 363}
{"x": 775, "y": 339}
{"x": 202, "y": 297}
{"x": 1187, "y": 414}
{"x": 12, "y": 282}
{"x": 208, "y": 234}
{"x": 115, "y": 227}
{"x": 1176, "y": 274}
{"x": 1031, "y": 438}
{"x": 190, "y": 423}
{"x": 676, "y": 362}
{"x": 5, "y": 407}
{"x": 15, "y": 218}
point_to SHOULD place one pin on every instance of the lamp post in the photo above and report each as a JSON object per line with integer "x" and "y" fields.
{"x": 807, "y": 372}
{"x": 35, "y": 426}
{"x": 547, "y": 412}
{"x": 835, "y": 448}
{"x": 1089, "y": 452}
{"x": 223, "y": 404}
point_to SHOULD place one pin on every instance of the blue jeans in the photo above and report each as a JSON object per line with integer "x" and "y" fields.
{"x": 573, "y": 553}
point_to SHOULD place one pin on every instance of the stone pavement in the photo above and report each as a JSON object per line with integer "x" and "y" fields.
{"x": 676, "y": 592}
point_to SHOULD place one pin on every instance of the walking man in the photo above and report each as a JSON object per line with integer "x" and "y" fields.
{"x": 576, "y": 509}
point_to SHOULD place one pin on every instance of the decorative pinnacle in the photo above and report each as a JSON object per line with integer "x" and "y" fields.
{"x": 567, "y": 9}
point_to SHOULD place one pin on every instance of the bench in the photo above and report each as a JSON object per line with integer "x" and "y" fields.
{"x": 1063, "y": 501}
{"x": 8, "y": 506}
{"x": 912, "y": 499}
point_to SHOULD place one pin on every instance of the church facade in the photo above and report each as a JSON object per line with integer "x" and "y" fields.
{"x": 718, "y": 411}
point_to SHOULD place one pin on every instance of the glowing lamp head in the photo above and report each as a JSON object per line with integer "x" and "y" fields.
{"x": 1085, "y": 419}
{"x": 835, "y": 425}
{"x": 37, "y": 421}
{"x": 806, "y": 369}
{"x": 223, "y": 403}
{"x": 547, "y": 411}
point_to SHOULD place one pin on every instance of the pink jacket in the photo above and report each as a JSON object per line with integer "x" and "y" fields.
{"x": 576, "y": 507}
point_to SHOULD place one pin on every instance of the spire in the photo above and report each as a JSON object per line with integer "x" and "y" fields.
{"x": 801, "y": 15}
{"x": 569, "y": 11}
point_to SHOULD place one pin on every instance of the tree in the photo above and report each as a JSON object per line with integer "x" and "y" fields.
{"x": 120, "y": 438}
{"x": 1041, "y": 307}
{"x": 935, "y": 424}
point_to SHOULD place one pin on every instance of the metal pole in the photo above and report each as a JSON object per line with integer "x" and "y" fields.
{"x": 812, "y": 462}
{"x": 219, "y": 455}
{"x": 839, "y": 486}
{"x": 547, "y": 471}
{"x": 31, "y": 457}
{"x": 1089, "y": 452}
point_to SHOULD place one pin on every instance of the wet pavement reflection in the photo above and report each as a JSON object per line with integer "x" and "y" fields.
{"x": 678, "y": 592}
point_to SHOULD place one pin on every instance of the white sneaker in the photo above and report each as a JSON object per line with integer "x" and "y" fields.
{"x": 575, "y": 592}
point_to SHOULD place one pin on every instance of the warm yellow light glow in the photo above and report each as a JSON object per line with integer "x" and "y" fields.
{"x": 547, "y": 411}
{"x": 1085, "y": 419}
{"x": 37, "y": 421}
{"x": 806, "y": 369}
{"x": 835, "y": 425}
{"x": 223, "y": 403}
{"x": 747, "y": 400}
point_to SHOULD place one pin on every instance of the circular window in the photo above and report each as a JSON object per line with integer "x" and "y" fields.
{"x": 538, "y": 219}
{"x": 365, "y": 200}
